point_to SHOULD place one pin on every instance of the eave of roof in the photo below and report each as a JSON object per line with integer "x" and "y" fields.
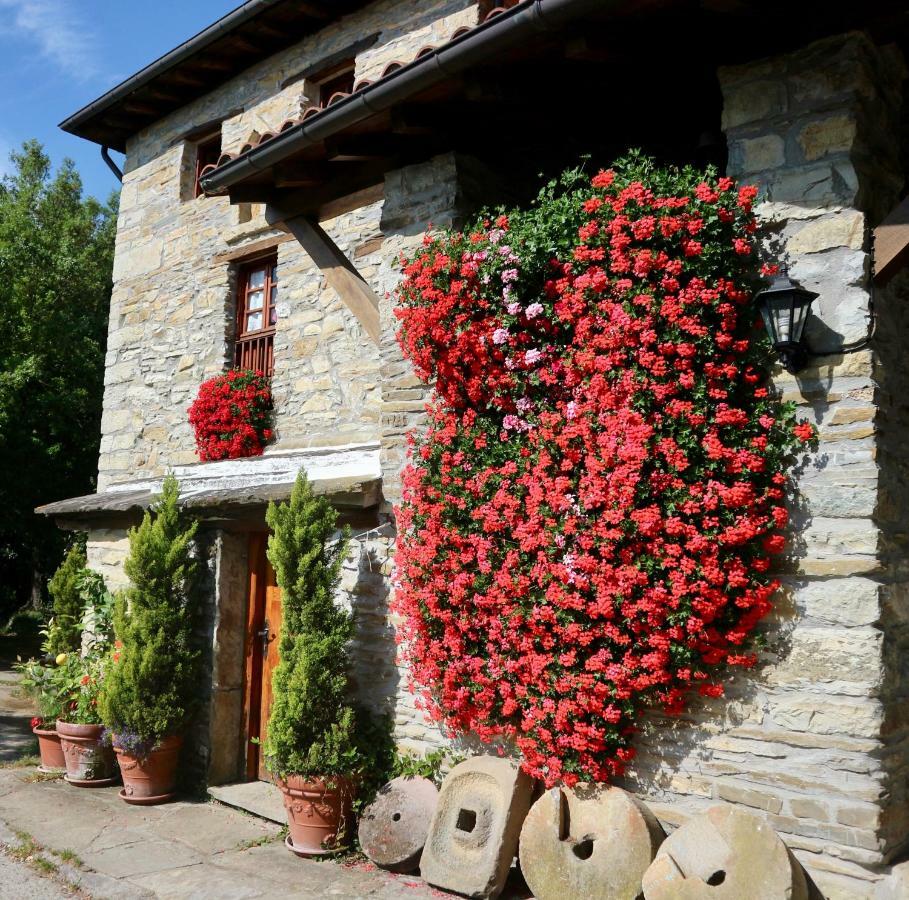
{"x": 501, "y": 27}
{"x": 200, "y": 64}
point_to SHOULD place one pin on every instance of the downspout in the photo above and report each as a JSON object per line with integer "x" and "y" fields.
{"x": 105, "y": 155}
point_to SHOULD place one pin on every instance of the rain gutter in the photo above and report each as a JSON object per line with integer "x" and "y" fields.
{"x": 518, "y": 24}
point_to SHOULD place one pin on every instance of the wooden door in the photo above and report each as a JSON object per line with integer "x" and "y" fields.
{"x": 263, "y": 628}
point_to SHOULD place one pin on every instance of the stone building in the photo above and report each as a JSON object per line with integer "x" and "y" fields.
{"x": 302, "y": 146}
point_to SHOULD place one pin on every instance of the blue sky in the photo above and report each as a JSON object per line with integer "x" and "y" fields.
{"x": 57, "y": 55}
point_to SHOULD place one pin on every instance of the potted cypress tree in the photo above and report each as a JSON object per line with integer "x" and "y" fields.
{"x": 314, "y": 739}
{"x": 148, "y": 690}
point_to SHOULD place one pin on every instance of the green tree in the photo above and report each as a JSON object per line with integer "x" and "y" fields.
{"x": 148, "y": 691}
{"x": 66, "y": 591}
{"x": 56, "y": 258}
{"x": 313, "y": 728}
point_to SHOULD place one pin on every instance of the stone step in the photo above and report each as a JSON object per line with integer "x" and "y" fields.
{"x": 261, "y": 798}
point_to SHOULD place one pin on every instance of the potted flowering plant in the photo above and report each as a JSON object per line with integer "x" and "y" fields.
{"x": 149, "y": 686}
{"x": 231, "y": 415}
{"x": 40, "y": 680}
{"x": 316, "y": 737}
{"x": 82, "y": 604}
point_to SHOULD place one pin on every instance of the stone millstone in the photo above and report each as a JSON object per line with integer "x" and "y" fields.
{"x": 590, "y": 843}
{"x": 474, "y": 833}
{"x": 393, "y": 828}
{"x": 725, "y": 854}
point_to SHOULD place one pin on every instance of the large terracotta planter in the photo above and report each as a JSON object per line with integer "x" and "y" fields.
{"x": 89, "y": 762}
{"x": 52, "y": 759}
{"x": 151, "y": 780}
{"x": 319, "y": 814}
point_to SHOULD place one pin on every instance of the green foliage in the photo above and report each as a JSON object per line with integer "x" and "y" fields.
{"x": 56, "y": 258}
{"x": 314, "y": 729}
{"x": 64, "y": 588}
{"x": 66, "y": 683}
{"x": 432, "y": 765}
{"x": 149, "y": 687}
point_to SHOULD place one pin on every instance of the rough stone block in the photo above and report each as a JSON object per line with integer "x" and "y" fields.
{"x": 474, "y": 833}
{"x": 393, "y": 828}
{"x": 725, "y": 853}
{"x": 590, "y": 843}
{"x": 835, "y": 134}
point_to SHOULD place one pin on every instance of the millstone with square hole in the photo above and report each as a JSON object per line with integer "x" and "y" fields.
{"x": 394, "y": 826}
{"x": 725, "y": 854}
{"x": 474, "y": 833}
{"x": 588, "y": 843}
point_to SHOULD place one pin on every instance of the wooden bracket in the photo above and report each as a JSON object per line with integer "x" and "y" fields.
{"x": 338, "y": 270}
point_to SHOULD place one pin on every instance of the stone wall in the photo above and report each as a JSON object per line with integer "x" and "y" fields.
{"x": 804, "y": 739}
{"x": 172, "y": 311}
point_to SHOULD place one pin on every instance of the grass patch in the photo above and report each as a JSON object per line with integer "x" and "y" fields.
{"x": 256, "y": 842}
{"x": 69, "y": 856}
{"x": 26, "y": 761}
{"x": 42, "y": 865}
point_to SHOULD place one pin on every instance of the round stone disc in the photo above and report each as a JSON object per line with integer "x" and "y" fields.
{"x": 393, "y": 828}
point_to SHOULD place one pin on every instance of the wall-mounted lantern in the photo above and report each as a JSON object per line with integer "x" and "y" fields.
{"x": 784, "y": 306}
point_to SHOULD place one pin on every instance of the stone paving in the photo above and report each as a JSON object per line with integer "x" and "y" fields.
{"x": 179, "y": 850}
{"x": 16, "y": 736}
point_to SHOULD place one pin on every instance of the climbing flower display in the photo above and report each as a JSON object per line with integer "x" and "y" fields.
{"x": 231, "y": 415}
{"x": 588, "y": 521}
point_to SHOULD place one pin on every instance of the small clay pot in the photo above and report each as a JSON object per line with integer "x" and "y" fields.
{"x": 319, "y": 813}
{"x": 51, "y": 752}
{"x": 89, "y": 762}
{"x": 149, "y": 781}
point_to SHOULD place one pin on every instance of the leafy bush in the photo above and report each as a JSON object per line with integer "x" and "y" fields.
{"x": 314, "y": 729}
{"x": 65, "y": 589}
{"x": 149, "y": 687}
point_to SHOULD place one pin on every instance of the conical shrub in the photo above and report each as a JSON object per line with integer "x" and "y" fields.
{"x": 151, "y": 680}
{"x": 313, "y": 727}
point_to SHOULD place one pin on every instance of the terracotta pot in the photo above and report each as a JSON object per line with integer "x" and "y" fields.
{"x": 49, "y": 747}
{"x": 89, "y": 763}
{"x": 153, "y": 779}
{"x": 319, "y": 813}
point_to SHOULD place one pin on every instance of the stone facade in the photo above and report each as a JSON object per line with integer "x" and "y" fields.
{"x": 816, "y": 739}
{"x": 807, "y": 739}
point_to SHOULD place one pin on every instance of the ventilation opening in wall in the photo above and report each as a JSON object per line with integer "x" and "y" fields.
{"x": 206, "y": 152}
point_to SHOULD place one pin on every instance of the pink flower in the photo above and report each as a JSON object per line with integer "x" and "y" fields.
{"x": 532, "y": 356}
{"x": 500, "y": 336}
{"x": 534, "y": 310}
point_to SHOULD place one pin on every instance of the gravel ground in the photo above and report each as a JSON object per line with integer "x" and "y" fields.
{"x": 19, "y": 882}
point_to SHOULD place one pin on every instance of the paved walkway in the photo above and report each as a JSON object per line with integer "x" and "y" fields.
{"x": 179, "y": 850}
{"x": 20, "y": 882}
{"x": 16, "y": 736}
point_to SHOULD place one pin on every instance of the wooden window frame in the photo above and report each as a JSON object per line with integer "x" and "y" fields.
{"x": 208, "y": 151}
{"x": 339, "y": 78}
{"x": 255, "y": 349}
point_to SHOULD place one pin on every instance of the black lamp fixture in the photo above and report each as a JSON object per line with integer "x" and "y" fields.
{"x": 784, "y": 306}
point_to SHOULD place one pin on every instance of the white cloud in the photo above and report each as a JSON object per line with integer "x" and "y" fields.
{"x": 61, "y": 35}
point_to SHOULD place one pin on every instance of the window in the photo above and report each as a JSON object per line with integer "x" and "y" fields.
{"x": 208, "y": 152}
{"x": 257, "y": 315}
{"x": 337, "y": 80}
